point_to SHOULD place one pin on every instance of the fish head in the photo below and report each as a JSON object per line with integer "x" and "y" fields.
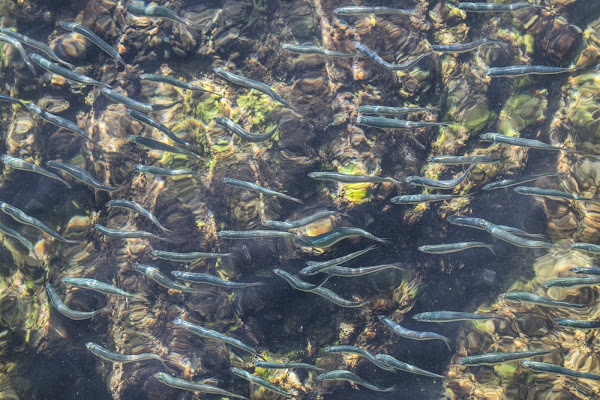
{"x": 90, "y": 345}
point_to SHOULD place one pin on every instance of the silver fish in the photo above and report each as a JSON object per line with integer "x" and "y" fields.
{"x": 360, "y": 352}
{"x": 127, "y": 234}
{"x": 555, "y": 369}
{"x": 136, "y": 105}
{"x": 551, "y": 194}
{"x": 577, "y": 324}
{"x": 342, "y": 375}
{"x": 255, "y": 188}
{"x": 41, "y": 46}
{"x": 494, "y": 7}
{"x": 315, "y": 267}
{"x": 521, "y": 142}
{"x": 58, "y": 121}
{"x": 572, "y": 281}
{"x": 439, "y": 184}
{"x": 313, "y": 49}
{"x": 330, "y": 238}
{"x": 466, "y": 47}
{"x": 244, "y": 134}
{"x": 424, "y": 198}
{"x": 450, "y": 316}
{"x": 111, "y": 356}
{"x": 250, "y": 83}
{"x": 92, "y": 37}
{"x": 157, "y": 125}
{"x": 157, "y": 276}
{"x": 504, "y": 183}
{"x": 365, "y": 51}
{"x": 214, "y": 335}
{"x": 24, "y": 241}
{"x": 402, "y": 366}
{"x": 193, "y": 386}
{"x": 160, "y": 146}
{"x": 257, "y": 234}
{"x": 287, "y": 365}
{"x": 81, "y": 175}
{"x": 350, "y": 178}
{"x": 522, "y": 70}
{"x": 337, "y": 270}
{"x": 98, "y": 286}
{"x": 523, "y": 297}
{"x": 497, "y": 358}
{"x": 187, "y": 257}
{"x": 148, "y": 169}
{"x": 259, "y": 381}
{"x": 172, "y": 81}
{"x": 138, "y": 209}
{"x": 154, "y": 11}
{"x": 18, "y": 163}
{"x": 410, "y": 334}
{"x": 392, "y": 123}
{"x": 461, "y": 160}
{"x": 23, "y": 218}
{"x": 16, "y": 44}
{"x": 65, "y": 72}
{"x": 285, "y": 225}
{"x": 197, "y": 277}
{"x": 394, "y": 110}
{"x": 66, "y": 311}
{"x": 377, "y": 10}
{"x": 454, "y": 247}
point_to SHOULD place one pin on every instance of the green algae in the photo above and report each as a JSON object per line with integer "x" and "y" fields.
{"x": 521, "y": 111}
{"x": 357, "y": 193}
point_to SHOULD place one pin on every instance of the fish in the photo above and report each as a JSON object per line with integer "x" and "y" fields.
{"x": 424, "y": 198}
{"x": 212, "y": 280}
{"x": 521, "y": 232}
{"x": 160, "y": 146}
{"x": 154, "y": 11}
{"x": 17, "y": 45}
{"x": 454, "y": 247}
{"x": 410, "y": 334}
{"x": 330, "y": 238}
{"x": 555, "y": 369}
{"x": 523, "y": 297}
{"x": 504, "y": 183}
{"x": 136, "y": 105}
{"x": 458, "y": 48}
{"x": 287, "y": 365}
{"x": 402, "y": 366}
{"x": 99, "y": 287}
{"x": 552, "y": 194}
{"x": 138, "y": 209}
{"x": 315, "y": 267}
{"x": 498, "y": 358}
{"x": 370, "y": 54}
{"x": 337, "y": 270}
{"x": 571, "y": 281}
{"x": 148, "y": 169}
{"x": 250, "y": 83}
{"x": 460, "y": 160}
{"x": 450, "y": 316}
{"x": 590, "y": 248}
{"x": 280, "y": 225}
{"x": 183, "y": 384}
{"x": 577, "y": 324}
{"x": 257, "y": 234}
{"x": 350, "y": 178}
{"x": 357, "y": 10}
{"x": 155, "y": 124}
{"x": 66, "y": 311}
{"x": 214, "y": 335}
{"x": 157, "y": 276}
{"x": 494, "y": 7}
{"x": 14, "y": 101}
{"x": 169, "y": 80}
{"x": 20, "y": 164}
{"x": 296, "y": 282}
{"x": 313, "y": 49}
{"x": 58, "y": 121}
{"x": 65, "y": 72}
{"x": 187, "y": 257}
{"x": 127, "y": 234}
{"x": 23, "y": 240}
{"x": 259, "y": 381}
{"x": 23, "y": 218}
{"x": 342, "y": 375}
{"x": 360, "y": 352}
{"x": 522, "y": 70}
{"x": 244, "y": 134}
{"x": 92, "y": 37}
{"x": 256, "y": 188}
{"x": 586, "y": 270}
{"x": 521, "y": 142}
{"x": 118, "y": 358}
{"x": 394, "y": 110}
{"x": 81, "y": 175}
{"x": 439, "y": 184}
{"x": 392, "y": 123}
{"x": 40, "y": 46}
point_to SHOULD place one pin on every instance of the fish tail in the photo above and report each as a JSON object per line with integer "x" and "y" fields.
{"x": 326, "y": 279}
{"x": 447, "y": 341}
{"x": 390, "y": 389}
{"x": 490, "y": 247}
{"x": 382, "y": 240}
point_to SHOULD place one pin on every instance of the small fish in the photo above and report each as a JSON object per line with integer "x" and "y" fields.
{"x": 342, "y": 375}
{"x": 155, "y": 124}
{"x": 259, "y": 381}
{"x": 92, "y": 37}
{"x": 23, "y": 218}
{"x": 357, "y": 10}
{"x": 58, "y": 121}
{"x": 330, "y": 238}
{"x": 81, "y": 175}
{"x": 494, "y": 7}
{"x": 281, "y": 225}
{"x": 409, "y": 334}
{"x": 350, "y": 178}
{"x": 127, "y": 234}
{"x": 313, "y": 49}
{"x": 521, "y": 142}
{"x": 572, "y": 281}
{"x": 41, "y": 46}
{"x": 99, "y": 287}
{"x": 66, "y": 311}
{"x": 289, "y": 365}
{"x": 521, "y": 232}
{"x": 138, "y": 209}
{"x": 393, "y": 110}
{"x": 586, "y": 270}
{"x": 157, "y": 276}
{"x": 315, "y": 267}
{"x": 197, "y": 277}
{"x": 244, "y": 134}
{"x": 187, "y": 257}
{"x": 450, "y": 316}
{"x": 523, "y": 297}
{"x": 590, "y": 248}
{"x": 551, "y": 194}
{"x": 337, "y": 270}
{"x": 504, "y": 183}
{"x": 24, "y": 241}
{"x": 160, "y": 146}
{"x": 183, "y": 384}
{"x": 522, "y": 70}
{"x": 154, "y": 11}
{"x": 243, "y": 81}
{"x": 555, "y": 369}
{"x": 466, "y": 47}
{"x": 14, "y": 101}
{"x": 461, "y": 160}
{"x": 296, "y": 282}
{"x": 424, "y": 198}
{"x": 257, "y": 234}
{"x": 18, "y": 163}
{"x": 214, "y": 335}
{"x": 255, "y": 188}
{"x": 498, "y": 358}
{"x": 454, "y": 247}
{"x": 108, "y": 355}
{"x": 172, "y": 81}
{"x": 136, "y": 105}
{"x": 471, "y": 222}
{"x": 65, "y": 72}
{"x": 577, "y": 324}
{"x": 402, "y": 366}
{"x": 370, "y": 54}
{"x": 16, "y": 44}
{"x": 147, "y": 169}
{"x": 360, "y": 352}
{"x": 439, "y": 184}
{"x": 392, "y": 123}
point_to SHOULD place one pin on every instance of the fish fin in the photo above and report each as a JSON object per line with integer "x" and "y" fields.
{"x": 383, "y": 240}
{"x": 491, "y": 248}
{"x": 322, "y": 283}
